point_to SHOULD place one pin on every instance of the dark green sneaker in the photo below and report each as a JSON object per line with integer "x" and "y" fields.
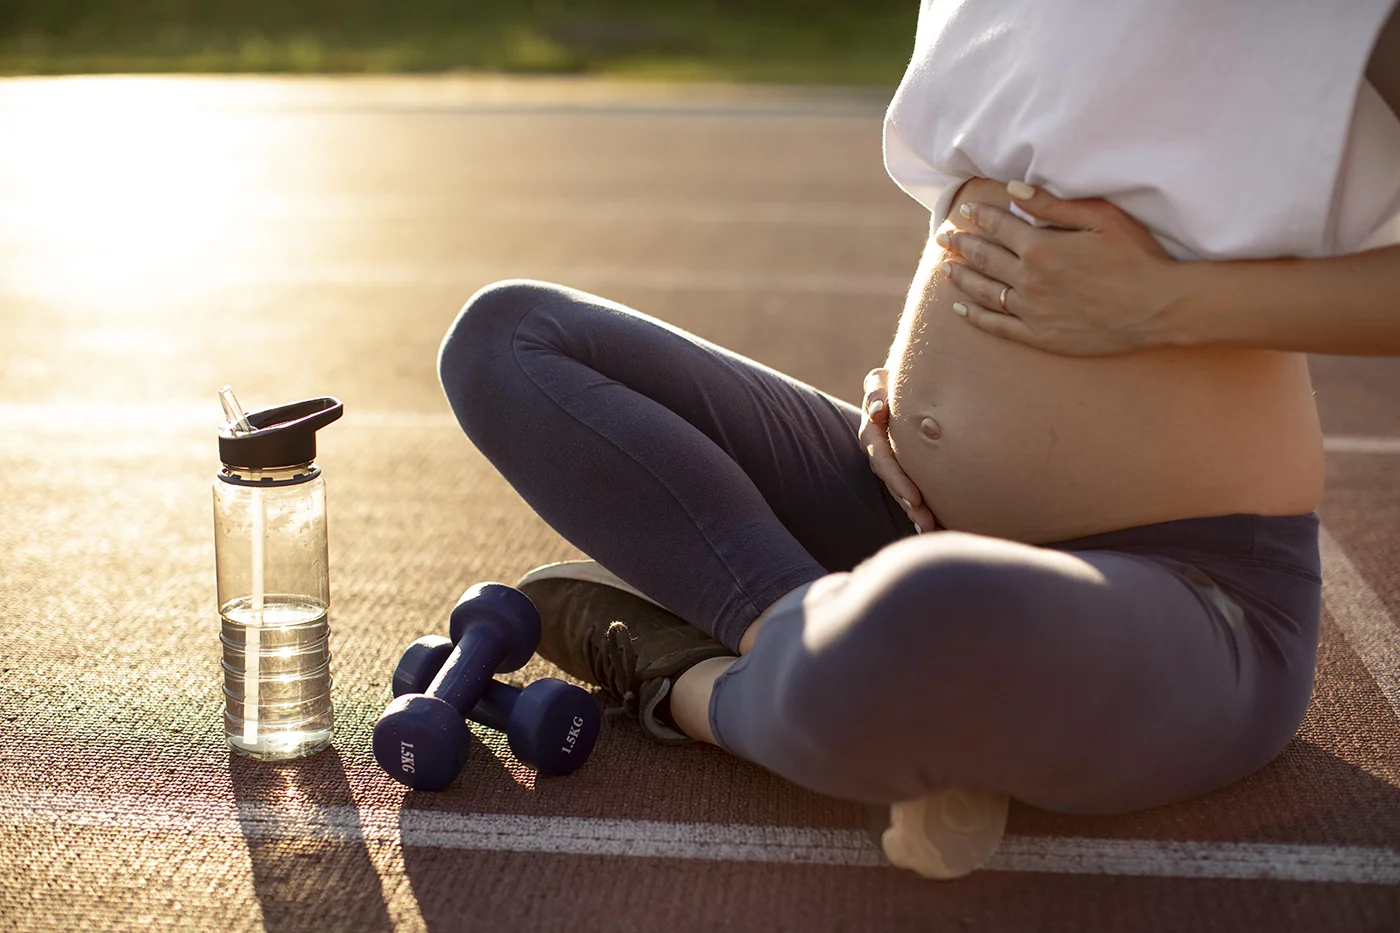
{"x": 606, "y": 633}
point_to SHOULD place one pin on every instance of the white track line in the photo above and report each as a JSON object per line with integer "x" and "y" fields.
{"x": 738, "y": 842}
{"x": 467, "y": 94}
{"x": 369, "y": 210}
{"x": 1343, "y": 444}
{"x": 464, "y": 279}
{"x": 84, "y": 416}
{"x": 1363, "y": 619}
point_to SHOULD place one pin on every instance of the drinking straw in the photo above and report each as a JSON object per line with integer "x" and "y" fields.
{"x": 252, "y": 631}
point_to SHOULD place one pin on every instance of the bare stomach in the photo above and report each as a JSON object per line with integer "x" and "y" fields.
{"x": 1016, "y": 443}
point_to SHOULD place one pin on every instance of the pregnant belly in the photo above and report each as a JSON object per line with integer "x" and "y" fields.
{"x": 1009, "y": 441}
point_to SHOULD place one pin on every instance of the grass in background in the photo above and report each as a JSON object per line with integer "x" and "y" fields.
{"x": 782, "y": 41}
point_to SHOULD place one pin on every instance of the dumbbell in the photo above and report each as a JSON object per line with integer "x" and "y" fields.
{"x": 551, "y": 725}
{"x": 422, "y": 739}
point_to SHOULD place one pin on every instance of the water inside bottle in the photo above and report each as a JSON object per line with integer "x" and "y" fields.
{"x": 292, "y": 716}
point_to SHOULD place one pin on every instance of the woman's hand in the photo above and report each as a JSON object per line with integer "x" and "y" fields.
{"x": 1096, "y": 286}
{"x": 875, "y": 437}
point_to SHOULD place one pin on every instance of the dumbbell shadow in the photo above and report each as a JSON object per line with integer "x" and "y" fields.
{"x": 422, "y": 739}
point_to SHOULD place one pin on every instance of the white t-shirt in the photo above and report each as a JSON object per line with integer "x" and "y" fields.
{"x": 1229, "y": 128}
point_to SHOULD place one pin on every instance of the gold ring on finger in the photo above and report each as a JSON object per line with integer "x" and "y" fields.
{"x": 1002, "y": 299}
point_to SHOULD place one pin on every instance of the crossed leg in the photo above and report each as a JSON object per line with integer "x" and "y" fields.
{"x": 887, "y": 665}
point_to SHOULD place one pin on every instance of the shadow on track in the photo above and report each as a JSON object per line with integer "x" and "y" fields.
{"x": 311, "y": 865}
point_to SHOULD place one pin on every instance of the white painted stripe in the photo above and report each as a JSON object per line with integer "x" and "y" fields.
{"x": 83, "y": 416}
{"x": 450, "y": 94}
{"x": 1344, "y": 444}
{"x": 76, "y": 415}
{"x": 567, "y": 835}
{"x": 580, "y": 212}
{"x": 1168, "y": 859}
{"x": 467, "y": 278}
{"x": 719, "y": 842}
{"x": 653, "y": 212}
{"x": 1362, "y": 617}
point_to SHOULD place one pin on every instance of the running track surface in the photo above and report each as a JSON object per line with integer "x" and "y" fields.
{"x": 160, "y": 238}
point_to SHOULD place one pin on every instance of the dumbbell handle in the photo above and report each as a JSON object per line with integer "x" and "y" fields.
{"x": 466, "y": 674}
{"x": 493, "y": 709}
{"x": 497, "y": 702}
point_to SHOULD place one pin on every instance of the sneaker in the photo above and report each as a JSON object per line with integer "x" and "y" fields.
{"x": 944, "y": 835}
{"x": 606, "y": 633}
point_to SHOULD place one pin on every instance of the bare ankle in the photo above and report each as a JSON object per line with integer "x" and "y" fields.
{"x": 751, "y": 633}
{"x": 690, "y": 698}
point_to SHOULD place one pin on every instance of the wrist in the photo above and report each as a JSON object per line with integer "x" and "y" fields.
{"x": 1179, "y": 316}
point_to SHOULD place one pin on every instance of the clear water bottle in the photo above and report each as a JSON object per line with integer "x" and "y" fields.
{"x": 270, "y": 549}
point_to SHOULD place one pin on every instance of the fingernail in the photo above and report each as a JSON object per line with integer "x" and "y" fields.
{"x": 919, "y": 528}
{"x": 905, "y": 503}
{"x": 966, "y": 211}
{"x": 946, "y": 268}
{"x": 941, "y": 238}
{"x": 960, "y": 308}
{"x": 1020, "y": 190}
{"x": 877, "y": 405}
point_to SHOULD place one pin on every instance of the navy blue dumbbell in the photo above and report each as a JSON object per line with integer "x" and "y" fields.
{"x": 552, "y": 725}
{"x": 422, "y": 739}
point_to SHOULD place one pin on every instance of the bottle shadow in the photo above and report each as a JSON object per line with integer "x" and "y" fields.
{"x": 311, "y": 864}
{"x": 444, "y": 841}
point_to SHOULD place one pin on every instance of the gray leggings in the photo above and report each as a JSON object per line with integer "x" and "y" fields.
{"x": 1099, "y": 675}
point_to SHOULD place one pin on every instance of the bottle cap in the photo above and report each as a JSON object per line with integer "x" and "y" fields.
{"x": 279, "y": 437}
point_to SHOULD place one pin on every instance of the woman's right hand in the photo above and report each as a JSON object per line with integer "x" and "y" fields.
{"x": 875, "y": 438}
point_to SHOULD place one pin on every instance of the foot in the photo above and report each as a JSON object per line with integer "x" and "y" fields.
{"x": 606, "y": 633}
{"x": 944, "y": 835}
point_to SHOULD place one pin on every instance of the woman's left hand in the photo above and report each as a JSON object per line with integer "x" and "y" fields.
{"x": 1095, "y": 284}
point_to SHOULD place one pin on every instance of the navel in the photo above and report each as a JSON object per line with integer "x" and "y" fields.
{"x": 930, "y": 429}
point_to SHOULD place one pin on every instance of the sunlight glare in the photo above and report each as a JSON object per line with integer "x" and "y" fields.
{"x": 119, "y": 191}
{"x": 499, "y": 745}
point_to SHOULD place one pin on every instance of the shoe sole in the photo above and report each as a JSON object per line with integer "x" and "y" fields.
{"x": 587, "y": 570}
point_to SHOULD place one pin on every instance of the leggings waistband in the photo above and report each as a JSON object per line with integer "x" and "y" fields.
{"x": 1284, "y": 540}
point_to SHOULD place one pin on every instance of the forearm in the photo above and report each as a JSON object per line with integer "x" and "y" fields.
{"x": 1348, "y": 305}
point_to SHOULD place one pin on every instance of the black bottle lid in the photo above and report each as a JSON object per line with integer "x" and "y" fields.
{"x": 282, "y": 436}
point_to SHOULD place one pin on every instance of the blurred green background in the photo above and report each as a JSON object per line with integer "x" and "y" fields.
{"x": 807, "y": 41}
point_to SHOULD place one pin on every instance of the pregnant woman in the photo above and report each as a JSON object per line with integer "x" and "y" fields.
{"x": 1066, "y": 551}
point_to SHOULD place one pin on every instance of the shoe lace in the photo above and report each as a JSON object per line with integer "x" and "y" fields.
{"x": 613, "y": 661}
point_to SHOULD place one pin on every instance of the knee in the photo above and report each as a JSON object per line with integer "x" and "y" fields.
{"x": 951, "y": 592}
{"x": 483, "y": 329}
{"x": 952, "y": 610}
{"x": 477, "y": 355}
{"x": 945, "y": 616}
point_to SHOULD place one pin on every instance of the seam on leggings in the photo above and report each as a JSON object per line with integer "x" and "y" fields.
{"x": 719, "y": 687}
{"x": 1234, "y": 633}
{"x": 1213, "y": 612}
{"x": 1264, "y": 564}
{"x": 515, "y": 355}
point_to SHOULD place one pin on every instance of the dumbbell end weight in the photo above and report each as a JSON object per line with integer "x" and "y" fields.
{"x": 566, "y": 725}
{"x": 421, "y": 742}
{"x": 504, "y": 609}
{"x": 420, "y": 664}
